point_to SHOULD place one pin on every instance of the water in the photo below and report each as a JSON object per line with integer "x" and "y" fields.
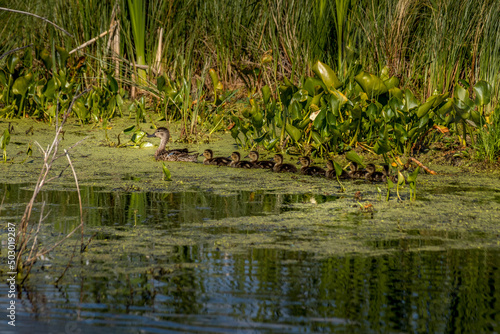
{"x": 123, "y": 286}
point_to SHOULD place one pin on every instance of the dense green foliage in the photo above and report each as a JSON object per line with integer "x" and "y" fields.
{"x": 435, "y": 53}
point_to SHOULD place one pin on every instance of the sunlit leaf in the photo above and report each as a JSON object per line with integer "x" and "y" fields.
{"x": 483, "y": 92}
{"x": 129, "y": 130}
{"x": 167, "y": 176}
{"x": 266, "y": 94}
{"x": 372, "y": 85}
{"x": 326, "y": 74}
{"x": 293, "y": 132}
{"x": 354, "y": 157}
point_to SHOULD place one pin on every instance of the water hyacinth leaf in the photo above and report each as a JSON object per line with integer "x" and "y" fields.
{"x": 167, "y": 176}
{"x": 318, "y": 121}
{"x": 3, "y": 78}
{"x": 51, "y": 88}
{"x": 400, "y": 132}
{"x": 396, "y": 92}
{"x": 137, "y": 136}
{"x": 422, "y": 122}
{"x": 266, "y": 94}
{"x": 483, "y": 92}
{"x": 338, "y": 168}
{"x": 445, "y": 108}
{"x": 372, "y": 111}
{"x": 354, "y": 157}
{"x": 440, "y": 99}
{"x": 293, "y": 132}
{"x": 461, "y": 93}
{"x": 215, "y": 80}
{"x": 411, "y": 101}
{"x": 392, "y": 82}
{"x": 372, "y": 85}
{"x": 424, "y": 108}
{"x": 261, "y": 138}
{"x": 326, "y": 74}
{"x": 295, "y": 110}
{"x": 12, "y": 62}
{"x": 80, "y": 110}
{"x": 313, "y": 85}
{"x": 21, "y": 84}
{"x": 334, "y": 103}
{"x": 46, "y": 59}
{"x": 269, "y": 145}
{"x": 331, "y": 119}
{"x": 412, "y": 177}
{"x": 62, "y": 57}
{"x": 300, "y": 96}
{"x": 257, "y": 119}
{"x": 316, "y": 137}
{"x": 112, "y": 84}
{"x": 396, "y": 104}
{"x": 129, "y": 130}
{"x": 401, "y": 178}
{"x": 381, "y": 146}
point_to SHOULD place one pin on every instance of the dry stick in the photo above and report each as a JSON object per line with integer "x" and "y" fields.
{"x": 21, "y": 239}
{"x": 17, "y": 49}
{"x": 93, "y": 39}
{"x": 38, "y": 17}
{"x": 427, "y": 169}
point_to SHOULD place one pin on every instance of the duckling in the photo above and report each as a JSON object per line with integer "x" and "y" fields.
{"x": 170, "y": 155}
{"x": 280, "y": 167}
{"x": 239, "y": 163}
{"x": 254, "y": 159}
{"x": 331, "y": 174}
{"x": 374, "y": 176}
{"x": 218, "y": 161}
{"x": 307, "y": 169}
{"x": 355, "y": 173}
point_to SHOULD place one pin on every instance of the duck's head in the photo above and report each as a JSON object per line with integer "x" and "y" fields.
{"x": 329, "y": 165}
{"x": 235, "y": 156}
{"x": 253, "y": 155}
{"x": 370, "y": 168}
{"x": 208, "y": 153}
{"x": 304, "y": 161}
{"x": 278, "y": 158}
{"x": 354, "y": 166}
{"x": 162, "y": 133}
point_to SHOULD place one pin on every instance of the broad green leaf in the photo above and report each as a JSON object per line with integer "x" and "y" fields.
{"x": 412, "y": 177}
{"x": 313, "y": 85}
{"x": 393, "y": 82}
{"x": 215, "y": 80}
{"x": 266, "y": 94}
{"x": 167, "y": 176}
{"x": 160, "y": 82}
{"x": 269, "y": 145}
{"x": 62, "y": 57}
{"x": 12, "y": 61}
{"x": 400, "y": 132}
{"x": 295, "y": 110}
{"x": 316, "y": 137}
{"x": 401, "y": 178}
{"x": 80, "y": 110}
{"x": 318, "y": 121}
{"x": 257, "y": 119}
{"x": 300, "y": 96}
{"x": 326, "y": 74}
{"x": 293, "y": 132}
{"x": 3, "y": 78}
{"x": 46, "y": 59}
{"x": 483, "y": 92}
{"x": 461, "y": 93}
{"x": 129, "y": 130}
{"x": 381, "y": 146}
{"x": 21, "y": 84}
{"x": 338, "y": 168}
{"x": 112, "y": 84}
{"x": 424, "y": 108}
{"x": 372, "y": 85}
{"x": 354, "y": 157}
{"x": 411, "y": 101}
{"x": 396, "y": 104}
{"x": 334, "y": 102}
{"x": 51, "y": 87}
{"x": 137, "y": 136}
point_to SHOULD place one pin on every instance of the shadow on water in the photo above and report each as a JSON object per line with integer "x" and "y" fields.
{"x": 199, "y": 288}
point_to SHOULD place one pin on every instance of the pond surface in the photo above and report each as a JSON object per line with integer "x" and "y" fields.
{"x": 257, "y": 262}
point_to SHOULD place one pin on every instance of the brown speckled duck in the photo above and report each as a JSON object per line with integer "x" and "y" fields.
{"x": 238, "y": 163}
{"x": 374, "y": 176}
{"x": 170, "y": 155}
{"x": 331, "y": 174}
{"x": 280, "y": 167}
{"x": 254, "y": 159}
{"x": 307, "y": 169}
{"x": 218, "y": 161}
{"x": 355, "y": 173}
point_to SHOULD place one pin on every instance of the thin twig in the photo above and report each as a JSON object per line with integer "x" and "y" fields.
{"x": 427, "y": 169}
{"x": 93, "y": 39}
{"x": 15, "y": 50}
{"x": 38, "y": 17}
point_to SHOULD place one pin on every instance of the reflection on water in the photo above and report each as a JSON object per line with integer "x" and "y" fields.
{"x": 197, "y": 288}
